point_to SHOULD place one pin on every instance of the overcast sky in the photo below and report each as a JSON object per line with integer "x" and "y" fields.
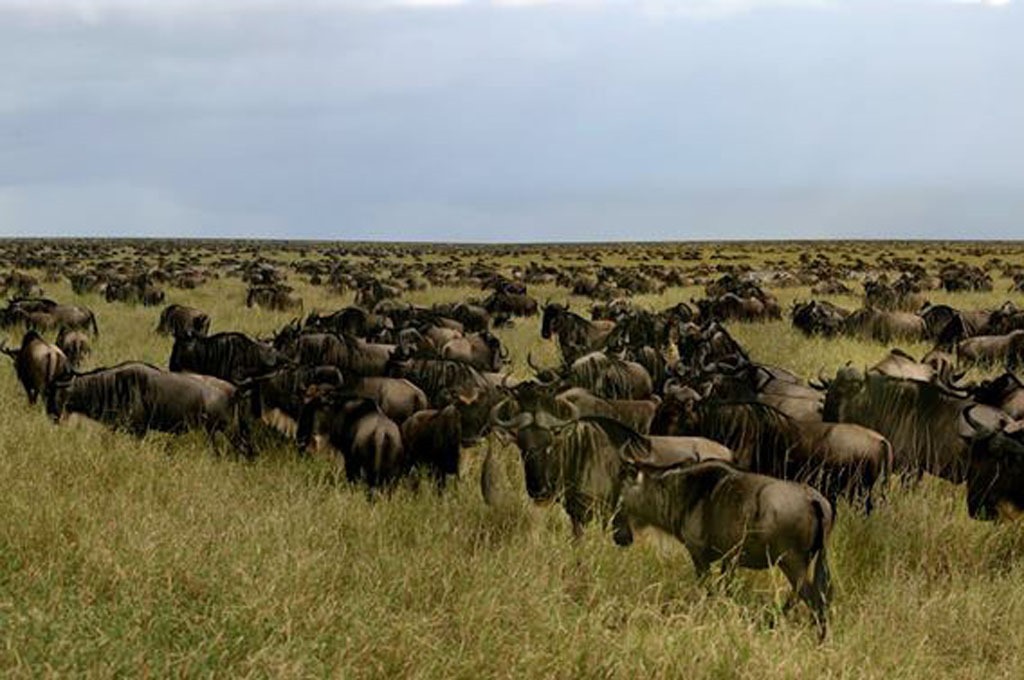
{"x": 499, "y": 120}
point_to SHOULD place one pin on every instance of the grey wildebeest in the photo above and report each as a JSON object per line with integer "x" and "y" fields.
{"x": 44, "y": 314}
{"x": 839, "y": 459}
{"x": 178, "y": 320}
{"x": 722, "y": 513}
{"x": 37, "y": 363}
{"x": 138, "y": 397}
{"x": 576, "y": 460}
{"x": 885, "y": 326}
{"x": 482, "y": 351}
{"x": 74, "y": 344}
{"x": 987, "y": 350}
{"x": 370, "y": 443}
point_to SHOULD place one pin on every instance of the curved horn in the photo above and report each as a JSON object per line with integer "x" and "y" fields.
{"x": 522, "y": 420}
{"x": 978, "y": 428}
{"x": 549, "y": 421}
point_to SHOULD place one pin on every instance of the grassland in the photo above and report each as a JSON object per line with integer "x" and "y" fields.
{"x": 121, "y": 557}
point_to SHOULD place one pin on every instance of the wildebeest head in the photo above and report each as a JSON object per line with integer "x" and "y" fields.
{"x": 549, "y": 322}
{"x": 535, "y": 419}
{"x": 995, "y": 477}
{"x": 677, "y": 413}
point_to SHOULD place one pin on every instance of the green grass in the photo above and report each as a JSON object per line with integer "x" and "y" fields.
{"x": 127, "y": 557}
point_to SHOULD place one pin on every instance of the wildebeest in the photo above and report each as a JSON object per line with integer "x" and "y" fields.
{"x": 576, "y": 336}
{"x": 43, "y": 314}
{"x": 276, "y": 297}
{"x": 722, "y": 513}
{"x": 138, "y": 397}
{"x": 1006, "y": 350}
{"x": 838, "y": 460}
{"x": 231, "y": 356}
{"x": 398, "y": 398}
{"x": 885, "y": 326}
{"x": 606, "y": 376}
{"x": 74, "y": 344}
{"x": 923, "y": 421}
{"x": 283, "y": 393}
{"x": 636, "y": 413}
{"x": 369, "y": 442}
{"x": 577, "y": 460}
{"x": 37, "y": 363}
{"x": 776, "y": 387}
{"x": 483, "y": 351}
{"x": 432, "y": 439}
{"x": 504, "y": 303}
{"x": 730, "y": 306}
{"x": 1005, "y": 392}
{"x": 995, "y": 476}
{"x": 178, "y": 319}
{"x": 819, "y": 318}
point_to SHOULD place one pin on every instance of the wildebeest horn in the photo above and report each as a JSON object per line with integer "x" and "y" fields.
{"x": 978, "y": 428}
{"x": 522, "y": 420}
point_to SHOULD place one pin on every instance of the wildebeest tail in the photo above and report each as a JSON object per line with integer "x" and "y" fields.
{"x": 92, "y": 322}
{"x": 822, "y": 581}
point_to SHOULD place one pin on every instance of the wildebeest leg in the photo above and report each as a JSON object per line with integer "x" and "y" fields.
{"x": 814, "y": 593}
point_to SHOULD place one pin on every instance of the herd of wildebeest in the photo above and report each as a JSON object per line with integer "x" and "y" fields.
{"x": 654, "y": 417}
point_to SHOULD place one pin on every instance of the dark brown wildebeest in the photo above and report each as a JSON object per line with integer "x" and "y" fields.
{"x": 37, "y": 363}
{"x": 995, "y": 476}
{"x": 177, "y": 320}
{"x": 369, "y": 442}
{"x": 138, "y": 397}
{"x": 923, "y": 421}
{"x": 988, "y": 350}
{"x": 770, "y": 385}
{"x": 278, "y": 398}
{"x": 885, "y": 326}
{"x": 230, "y": 356}
{"x": 732, "y": 307}
{"x": 1005, "y": 392}
{"x": 838, "y": 459}
{"x": 74, "y": 344}
{"x": 722, "y": 513}
{"x": 576, "y": 336}
{"x": 819, "y": 318}
{"x": 279, "y": 298}
{"x": 432, "y": 440}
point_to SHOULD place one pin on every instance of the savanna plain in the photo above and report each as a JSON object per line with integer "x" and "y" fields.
{"x": 135, "y": 557}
